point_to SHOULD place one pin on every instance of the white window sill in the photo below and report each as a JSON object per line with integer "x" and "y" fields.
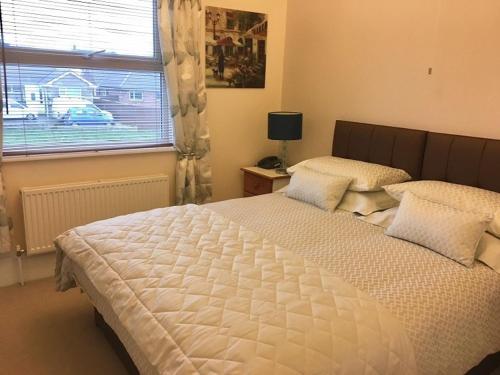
{"x": 85, "y": 154}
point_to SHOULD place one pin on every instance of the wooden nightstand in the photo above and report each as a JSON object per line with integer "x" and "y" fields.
{"x": 259, "y": 181}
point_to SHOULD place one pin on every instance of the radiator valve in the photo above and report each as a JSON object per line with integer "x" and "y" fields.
{"x": 19, "y": 252}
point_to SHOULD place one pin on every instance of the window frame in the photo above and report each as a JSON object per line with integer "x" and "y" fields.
{"x": 75, "y": 59}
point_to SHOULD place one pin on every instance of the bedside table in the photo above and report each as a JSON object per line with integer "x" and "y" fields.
{"x": 259, "y": 181}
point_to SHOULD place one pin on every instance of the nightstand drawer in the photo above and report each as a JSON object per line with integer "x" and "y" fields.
{"x": 257, "y": 185}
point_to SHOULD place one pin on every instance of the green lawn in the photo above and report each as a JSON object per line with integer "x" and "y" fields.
{"x": 37, "y": 136}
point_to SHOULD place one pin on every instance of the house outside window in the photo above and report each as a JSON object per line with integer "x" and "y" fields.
{"x": 136, "y": 95}
{"x": 60, "y": 72}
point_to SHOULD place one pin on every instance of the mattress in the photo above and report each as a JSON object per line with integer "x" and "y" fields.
{"x": 451, "y": 313}
{"x": 199, "y": 293}
{"x": 103, "y": 306}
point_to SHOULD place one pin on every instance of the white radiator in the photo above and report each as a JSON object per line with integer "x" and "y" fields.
{"x": 51, "y": 210}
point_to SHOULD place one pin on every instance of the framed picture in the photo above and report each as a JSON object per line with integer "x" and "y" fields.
{"x": 236, "y": 48}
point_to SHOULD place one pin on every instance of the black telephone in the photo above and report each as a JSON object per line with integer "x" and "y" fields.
{"x": 270, "y": 162}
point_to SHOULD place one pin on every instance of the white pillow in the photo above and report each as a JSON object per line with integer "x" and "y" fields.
{"x": 382, "y": 218}
{"x": 459, "y": 196}
{"x": 366, "y": 176}
{"x": 323, "y": 191}
{"x": 488, "y": 251}
{"x": 449, "y": 231}
{"x": 367, "y": 202}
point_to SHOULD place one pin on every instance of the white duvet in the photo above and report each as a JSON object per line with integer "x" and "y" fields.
{"x": 450, "y": 312}
{"x": 202, "y": 294}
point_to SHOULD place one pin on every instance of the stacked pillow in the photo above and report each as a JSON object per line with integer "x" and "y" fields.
{"x": 365, "y": 203}
{"x": 458, "y": 196}
{"x": 322, "y": 190}
{"x": 446, "y": 218}
{"x": 365, "y": 176}
{"x": 364, "y": 194}
{"x": 447, "y": 230}
{"x": 488, "y": 251}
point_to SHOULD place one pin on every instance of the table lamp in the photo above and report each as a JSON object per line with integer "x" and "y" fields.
{"x": 284, "y": 126}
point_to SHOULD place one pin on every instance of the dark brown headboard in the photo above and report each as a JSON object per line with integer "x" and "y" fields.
{"x": 462, "y": 160}
{"x": 394, "y": 147}
{"x": 424, "y": 155}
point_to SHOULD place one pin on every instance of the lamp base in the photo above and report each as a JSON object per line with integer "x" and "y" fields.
{"x": 284, "y": 158}
{"x": 281, "y": 171}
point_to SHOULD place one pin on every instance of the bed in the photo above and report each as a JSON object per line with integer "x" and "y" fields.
{"x": 333, "y": 277}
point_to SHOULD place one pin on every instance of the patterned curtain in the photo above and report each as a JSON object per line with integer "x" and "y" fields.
{"x": 5, "y": 244}
{"x": 180, "y": 36}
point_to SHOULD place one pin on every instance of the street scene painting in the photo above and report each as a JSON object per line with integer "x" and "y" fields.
{"x": 236, "y": 48}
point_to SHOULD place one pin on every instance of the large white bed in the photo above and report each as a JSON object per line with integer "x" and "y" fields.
{"x": 450, "y": 313}
{"x": 189, "y": 290}
{"x": 199, "y": 293}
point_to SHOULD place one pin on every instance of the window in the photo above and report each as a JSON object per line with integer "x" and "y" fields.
{"x": 13, "y": 89}
{"x": 77, "y": 66}
{"x": 230, "y": 21}
{"x": 70, "y": 91}
{"x": 135, "y": 95}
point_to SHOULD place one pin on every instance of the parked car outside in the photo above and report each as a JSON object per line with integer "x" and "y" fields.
{"x": 18, "y": 111}
{"x": 60, "y": 106}
{"x": 88, "y": 115}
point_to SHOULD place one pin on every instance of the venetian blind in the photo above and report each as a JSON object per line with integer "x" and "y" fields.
{"x": 82, "y": 75}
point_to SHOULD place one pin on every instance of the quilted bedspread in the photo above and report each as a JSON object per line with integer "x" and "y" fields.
{"x": 201, "y": 294}
{"x": 450, "y": 312}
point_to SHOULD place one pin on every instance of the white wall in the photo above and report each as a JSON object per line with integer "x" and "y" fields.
{"x": 238, "y": 125}
{"x": 238, "y": 117}
{"x": 368, "y": 61}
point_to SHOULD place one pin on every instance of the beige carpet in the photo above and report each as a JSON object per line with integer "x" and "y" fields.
{"x": 46, "y": 332}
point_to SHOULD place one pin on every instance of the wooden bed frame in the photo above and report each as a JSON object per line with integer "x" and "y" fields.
{"x": 424, "y": 155}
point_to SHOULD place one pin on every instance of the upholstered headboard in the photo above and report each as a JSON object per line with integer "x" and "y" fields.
{"x": 424, "y": 155}
{"x": 394, "y": 147}
{"x": 462, "y": 160}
